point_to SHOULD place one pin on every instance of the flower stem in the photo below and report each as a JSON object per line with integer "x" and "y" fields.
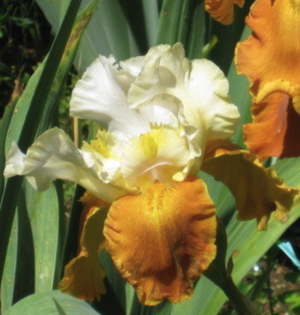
{"x": 239, "y": 302}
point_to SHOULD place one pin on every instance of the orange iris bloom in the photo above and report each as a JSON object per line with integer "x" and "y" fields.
{"x": 270, "y": 59}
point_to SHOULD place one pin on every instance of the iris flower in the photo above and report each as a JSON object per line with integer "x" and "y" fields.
{"x": 162, "y": 118}
{"x": 222, "y": 10}
{"x": 270, "y": 59}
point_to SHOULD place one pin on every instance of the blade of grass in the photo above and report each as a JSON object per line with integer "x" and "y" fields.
{"x": 45, "y": 209}
{"x": 116, "y": 26}
{"x": 71, "y": 240}
{"x": 55, "y": 17}
{"x": 239, "y": 93}
{"x": 8, "y": 280}
{"x": 110, "y": 31}
{"x": 167, "y": 32}
{"x": 10, "y": 196}
{"x": 228, "y": 36}
{"x": 80, "y": 25}
{"x": 46, "y": 216}
{"x": 24, "y": 277}
{"x": 4, "y": 124}
{"x": 52, "y": 302}
{"x": 150, "y": 13}
{"x": 184, "y": 21}
{"x": 197, "y": 32}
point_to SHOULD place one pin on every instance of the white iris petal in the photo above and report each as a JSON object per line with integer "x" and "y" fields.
{"x": 199, "y": 86}
{"x": 161, "y": 155}
{"x": 157, "y": 115}
{"x": 98, "y": 96}
{"x": 158, "y": 112}
{"x": 132, "y": 67}
{"x": 54, "y": 156}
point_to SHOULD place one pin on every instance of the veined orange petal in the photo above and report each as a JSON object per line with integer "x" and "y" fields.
{"x": 273, "y": 87}
{"x": 284, "y": 87}
{"x": 91, "y": 205}
{"x": 296, "y": 98}
{"x": 162, "y": 241}
{"x": 257, "y": 190}
{"x": 83, "y": 275}
{"x": 269, "y": 57}
{"x": 217, "y": 148}
{"x": 275, "y": 129}
{"x": 272, "y": 51}
{"x": 83, "y": 278}
{"x": 222, "y": 10}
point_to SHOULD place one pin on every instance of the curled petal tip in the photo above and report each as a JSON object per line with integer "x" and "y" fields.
{"x": 83, "y": 277}
{"x": 222, "y": 10}
{"x": 273, "y": 87}
{"x": 257, "y": 190}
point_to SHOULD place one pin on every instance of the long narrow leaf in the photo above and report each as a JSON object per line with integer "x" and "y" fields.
{"x": 167, "y": 32}
{"x": 4, "y": 124}
{"x": 8, "y": 280}
{"x": 45, "y": 208}
{"x": 10, "y": 196}
{"x": 46, "y": 217}
{"x": 196, "y": 36}
{"x": 151, "y": 14}
{"x": 53, "y": 302}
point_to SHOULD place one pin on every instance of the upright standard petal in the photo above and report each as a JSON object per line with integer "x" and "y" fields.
{"x": 83, "y": 276}
{"x": 162, "y": 241}
{"x": 54, "y": 156}
{"x": 207, "y": 100}
{"x": 99, "y": 96}
{"x": 257, "y": 190}
{"x": 222, "y": 10}
{"x": 198, "y": 90}
{"x": 269, "y": 57}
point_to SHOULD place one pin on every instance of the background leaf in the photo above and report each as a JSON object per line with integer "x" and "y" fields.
{"x": 124, "y": 28}
{"x": 30, "y": 125}
{"x": 46, "y": 215}
{"x": 40, "y": 214}
{"x": 53, "y": 302}
{"x": 8, "y": 280}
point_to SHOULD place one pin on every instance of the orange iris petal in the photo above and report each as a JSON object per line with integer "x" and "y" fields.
{"x": 83, "y": 275}
{"x": 222, "y": 10}
{"x": 276, "y": 128}
{"x": 270, "y": 56}
{"x": 162, "y": 241}
{"x": 257, "y": 190}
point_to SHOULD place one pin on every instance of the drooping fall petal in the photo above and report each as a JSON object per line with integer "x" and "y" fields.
{"x": 257, "y": 190}
{"x": 269, "y": 57}
{"x": 83, "y": 275}
{"x": 54, "y": 156}
{"x": 222, "y": 10}
{"x": 162, "y": 241}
